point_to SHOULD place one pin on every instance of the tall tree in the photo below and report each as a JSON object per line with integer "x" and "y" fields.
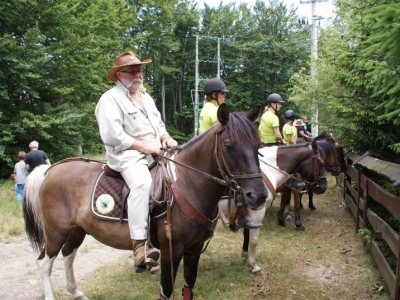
{"x": 53, "y": 72}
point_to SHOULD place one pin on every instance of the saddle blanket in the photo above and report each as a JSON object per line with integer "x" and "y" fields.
{"x": 109, "y": 199}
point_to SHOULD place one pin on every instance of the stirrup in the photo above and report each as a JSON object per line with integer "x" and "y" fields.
{"x": 151, "y": 259}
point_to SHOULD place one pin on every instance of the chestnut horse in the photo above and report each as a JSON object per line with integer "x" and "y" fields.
{"x": 57, "y": 202}
{"x": 277, "y": 163}
{"x": 333, "y": 155}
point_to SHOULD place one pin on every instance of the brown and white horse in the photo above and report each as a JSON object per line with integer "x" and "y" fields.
{"x": 57, "y": 202}
{"x": 277, "y": 163}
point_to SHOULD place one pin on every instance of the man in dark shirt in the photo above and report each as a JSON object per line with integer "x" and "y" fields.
{"x": 35, "y": 157}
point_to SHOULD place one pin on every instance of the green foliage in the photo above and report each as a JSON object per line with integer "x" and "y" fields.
{"x": 366, "y": 234}
{"x": 54, "y": 58}
{"x": 357, "y": 85}
{"x": 52, "y": 70}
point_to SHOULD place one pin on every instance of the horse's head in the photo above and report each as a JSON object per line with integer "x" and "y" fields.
{"x": 320, "y": 183}
{"x": 236, "y": 152}
{"x": 332, "y": 154}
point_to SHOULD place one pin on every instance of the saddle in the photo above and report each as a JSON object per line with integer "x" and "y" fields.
{"x": 110, "y": 193}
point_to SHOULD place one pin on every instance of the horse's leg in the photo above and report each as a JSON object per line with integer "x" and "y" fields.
{"x": 45, "y": 264}
{"x": 285, "y": 197}
{"x": 310, "y": 200}
{"x": 69, "y": 250}
{"x": 191, "y": 264}
{"x": 251, "y": 254}
{"x": 301, "y": 198}
{"x": 297, "y": 220}
{"x": 245, "y": 246}
{"x": 54, "y": 242}
{"x": 166, "y": 280}
{"x": 251, "y": 240}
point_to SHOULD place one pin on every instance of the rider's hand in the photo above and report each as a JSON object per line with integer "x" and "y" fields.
{"x": 145, "y": 147}
{"x": 169, "y": 142}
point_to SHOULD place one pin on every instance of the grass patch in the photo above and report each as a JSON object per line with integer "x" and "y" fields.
{"x": 12, "y": 223}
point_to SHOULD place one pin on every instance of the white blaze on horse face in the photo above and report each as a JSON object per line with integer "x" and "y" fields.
{"x": 269, "y": 165}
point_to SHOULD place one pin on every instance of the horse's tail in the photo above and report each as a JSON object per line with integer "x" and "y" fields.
{"x": 31, "y": 207}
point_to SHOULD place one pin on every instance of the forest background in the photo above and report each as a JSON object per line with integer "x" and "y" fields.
{"x": 54, "y": 57}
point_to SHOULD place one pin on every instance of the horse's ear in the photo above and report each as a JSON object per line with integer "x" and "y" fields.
{"x": 223, "y": 114}
{"x": 254, "y": 114}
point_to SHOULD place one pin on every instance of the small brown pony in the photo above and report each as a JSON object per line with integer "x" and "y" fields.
{"x": 57, "y": 203}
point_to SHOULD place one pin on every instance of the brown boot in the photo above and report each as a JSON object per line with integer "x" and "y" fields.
{"x": 144, "y": 255}
{"x": 244, "y": 220}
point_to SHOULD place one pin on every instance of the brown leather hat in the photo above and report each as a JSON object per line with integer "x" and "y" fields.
{"x": 125, "y": 59}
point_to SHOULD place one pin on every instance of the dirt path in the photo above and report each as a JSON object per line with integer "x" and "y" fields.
{"x": 19, "y": 275}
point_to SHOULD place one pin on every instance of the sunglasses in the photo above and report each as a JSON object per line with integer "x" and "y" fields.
{"x": 131, "y": 72}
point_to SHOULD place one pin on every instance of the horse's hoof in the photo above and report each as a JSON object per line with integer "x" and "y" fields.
{"x": 282, "y": 223}
{"x": 313, "y": 208}
{"x": 245, "y": 255}
{"x": 80, "y": 296}
{"x": 256, "y": 270}
{"x": 300, "y": 228}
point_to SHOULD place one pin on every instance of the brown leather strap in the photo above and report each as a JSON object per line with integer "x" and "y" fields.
{"x": 190, "y": 211}
{"x": 269, "y": 184}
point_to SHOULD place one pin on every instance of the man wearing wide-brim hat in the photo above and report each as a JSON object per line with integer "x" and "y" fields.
{"x": 131, "y": 129}
{"x": 303, "y": 135}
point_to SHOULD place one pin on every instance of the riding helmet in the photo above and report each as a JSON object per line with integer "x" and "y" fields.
{"x": 214, "y": 85}
{"x": 289, "y": 114}
{"x": 274, "y": 98}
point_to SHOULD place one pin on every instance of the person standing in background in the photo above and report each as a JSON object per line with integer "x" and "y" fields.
{"x": 35, "y": 157}
{"x": 21, "y": 173}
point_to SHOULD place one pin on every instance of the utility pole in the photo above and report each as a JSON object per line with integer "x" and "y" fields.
{"x": 314, "y": 56}
{"x": 197, "y": 81}
{"x": 196, "y": 89}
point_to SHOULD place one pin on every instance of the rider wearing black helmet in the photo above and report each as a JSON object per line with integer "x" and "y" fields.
{"x": 214, "y": 94}
{"x": 289, "y": 131}
{"x": 269, "y": 125}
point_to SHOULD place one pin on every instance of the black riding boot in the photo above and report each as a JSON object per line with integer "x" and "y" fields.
{"x": 244, "y": 220}
{"x": 294, "y": 184}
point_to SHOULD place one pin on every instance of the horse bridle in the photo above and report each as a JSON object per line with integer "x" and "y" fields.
{"x": 227, "y": 175}
{"x": 228, "y": 180}
{"x": 314, "y": 166}
{"x": 337, "y": 162}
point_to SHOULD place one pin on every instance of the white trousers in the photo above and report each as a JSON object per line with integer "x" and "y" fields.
{"x": 139, "y": 180}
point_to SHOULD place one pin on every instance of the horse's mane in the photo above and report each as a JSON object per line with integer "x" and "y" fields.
{"x": 239, "y": 129}
{"x": 325, "y": 135}
{"x": 294, "y": 146}
{"x": 327, "y": 146}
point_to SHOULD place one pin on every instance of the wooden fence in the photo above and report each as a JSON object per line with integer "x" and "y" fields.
{"x": 358, "y": 193}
